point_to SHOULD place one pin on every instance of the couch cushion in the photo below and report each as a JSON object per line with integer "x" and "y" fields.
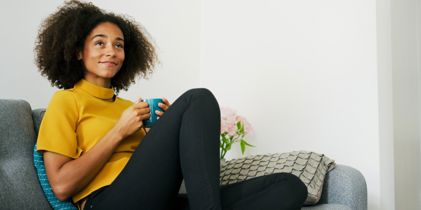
{"x": 37, "y": 115}
{"x": 19, "y": 187}
{"x": 45, "y": 185}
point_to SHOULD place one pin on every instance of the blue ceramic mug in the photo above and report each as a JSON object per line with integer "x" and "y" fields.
{"x": 153, "y": 106}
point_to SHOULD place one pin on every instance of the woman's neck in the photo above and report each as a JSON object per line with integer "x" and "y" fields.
{"x": 106, "y": 83}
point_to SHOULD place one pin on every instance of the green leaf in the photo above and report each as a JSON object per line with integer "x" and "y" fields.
{"x": 225, "y": 140}
{"x": 238, "y": 125}
{"x": 245, "y": 142}
{"x": 243, "y": 146}
{"x": 228, "y": 148}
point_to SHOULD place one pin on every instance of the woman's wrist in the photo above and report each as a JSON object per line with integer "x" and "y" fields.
{"x": 116, "y": 135}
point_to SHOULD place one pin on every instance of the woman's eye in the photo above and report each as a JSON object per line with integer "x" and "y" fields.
{"x": 99, "y": 43}
{"x": 118, "y": 45}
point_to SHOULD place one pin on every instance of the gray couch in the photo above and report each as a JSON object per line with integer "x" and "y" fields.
{"x": 344, "y": 188}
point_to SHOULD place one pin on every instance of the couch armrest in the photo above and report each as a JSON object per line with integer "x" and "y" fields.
{"x": 19, "y": 185}
{"x": 345, "y": 185}
{"x": 37, "y": 115}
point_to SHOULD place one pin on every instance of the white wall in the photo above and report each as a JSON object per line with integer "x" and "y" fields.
{"x": 173, "y": 25}
{"x": 303, "y": 72}
{"x": 418, "y": 35}
{"x": 19, "y": 76}
{"x": 385, "y": 86}
{"x": 406, "y": 93}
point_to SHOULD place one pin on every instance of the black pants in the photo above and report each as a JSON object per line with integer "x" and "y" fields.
{"x": 184, "y": 143}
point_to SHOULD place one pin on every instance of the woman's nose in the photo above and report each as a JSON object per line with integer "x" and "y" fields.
{"x": 109, "y": 50}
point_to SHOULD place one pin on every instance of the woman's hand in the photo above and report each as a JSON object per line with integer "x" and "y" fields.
{"x": 164, "y": 106}
{"x": 132, "y": 119}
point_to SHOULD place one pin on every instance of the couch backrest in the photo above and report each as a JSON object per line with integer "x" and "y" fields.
{"x": 19, "y": 186}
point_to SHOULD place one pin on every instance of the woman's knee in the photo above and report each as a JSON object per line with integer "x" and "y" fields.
{"x": 199, "y": 92}
{"x": 202, "y": 94}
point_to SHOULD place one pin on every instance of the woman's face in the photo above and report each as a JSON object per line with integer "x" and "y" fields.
{"x": 103, "y": 53}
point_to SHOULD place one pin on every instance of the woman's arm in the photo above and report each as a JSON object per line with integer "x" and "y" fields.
{"x": 68, "y": 176}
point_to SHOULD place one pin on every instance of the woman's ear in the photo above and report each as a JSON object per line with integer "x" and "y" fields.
{"x": 79, "y": 55}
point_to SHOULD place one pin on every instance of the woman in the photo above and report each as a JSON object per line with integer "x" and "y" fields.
{"x": 95, "y": 147}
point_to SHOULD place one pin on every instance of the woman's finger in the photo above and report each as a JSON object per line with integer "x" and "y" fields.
{"x": 144, "y": 111}
{"x": 145, "y": 116}
{"x": 159, "y": 113}
{"x": 166, "y": 101}
{"x": 140, "y": 105}
{"x": 164, "y": 106}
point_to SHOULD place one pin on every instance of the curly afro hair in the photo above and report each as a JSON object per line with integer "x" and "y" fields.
{"x": 62, "y": 36}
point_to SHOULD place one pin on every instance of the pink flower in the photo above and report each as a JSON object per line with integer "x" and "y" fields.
{"x": 229, "y": 120}
{"x": 234, "y": 128}
{"x": 247, "y": 126}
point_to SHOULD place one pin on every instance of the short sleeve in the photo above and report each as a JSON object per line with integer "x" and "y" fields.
{"x": 58, "y": 127}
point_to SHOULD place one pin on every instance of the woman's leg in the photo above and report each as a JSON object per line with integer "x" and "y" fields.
{"x": 184, "y": 142}
{"x": 281, "y": 191}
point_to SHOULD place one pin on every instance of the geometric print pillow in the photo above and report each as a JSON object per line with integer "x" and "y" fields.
{"x": 55, "y": 203}
{"x": 310, "y": 167}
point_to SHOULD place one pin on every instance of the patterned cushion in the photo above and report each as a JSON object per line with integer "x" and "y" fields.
{"x": 310, "y": 167}
{"x": 45, "y": 185}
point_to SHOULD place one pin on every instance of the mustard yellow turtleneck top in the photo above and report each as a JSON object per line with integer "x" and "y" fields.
{"x": 76, "y": 119}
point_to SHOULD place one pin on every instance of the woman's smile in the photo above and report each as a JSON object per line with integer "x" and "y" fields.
{"x": 109, "y": 63}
